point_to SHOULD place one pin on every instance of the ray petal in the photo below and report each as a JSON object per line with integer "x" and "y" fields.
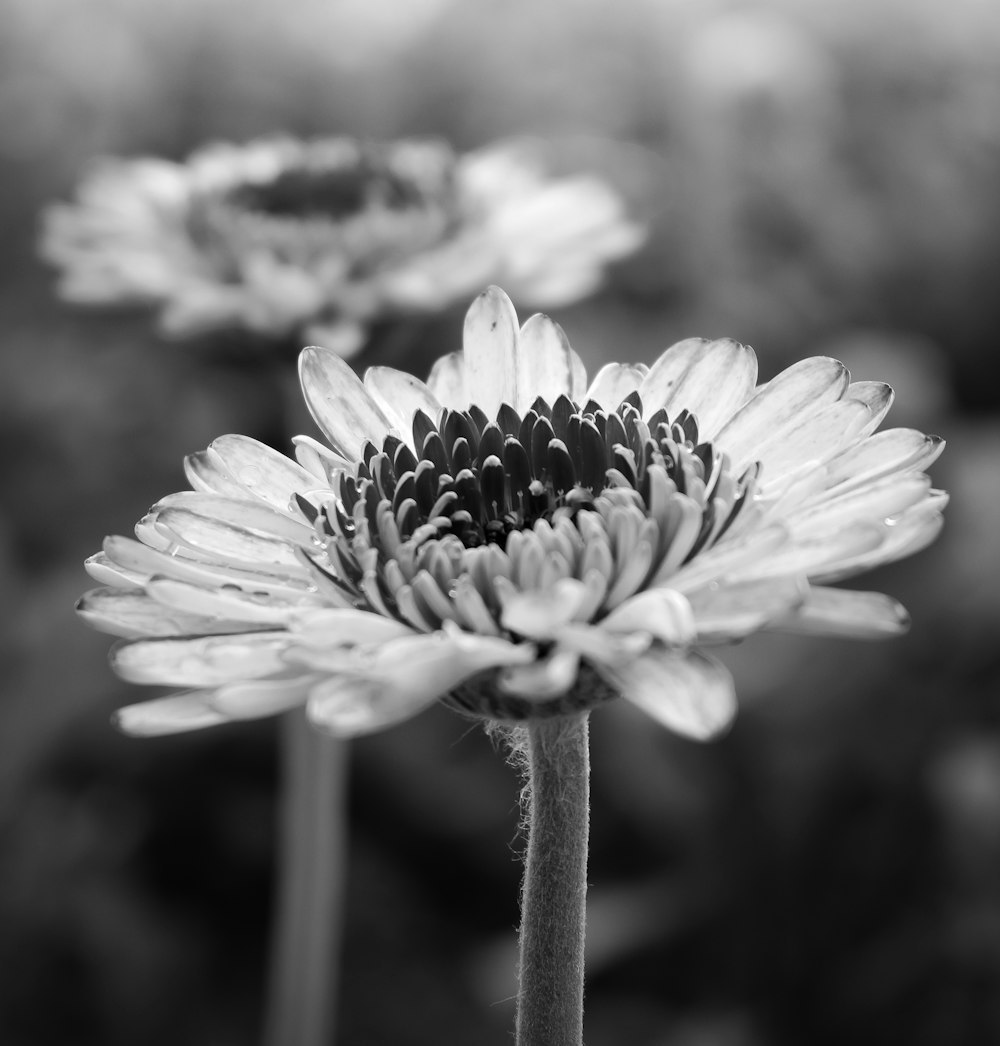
{"x": 846, "y": 613}
{"x": 544, "y": 361}
{"x": 490, "y": 341}
{"x": 400, "y": 395}
{"x": 200, "y": 660}
{"x": 446, "y": 381}
{"x": 262, "y": 471}
{"x": 340, "y": 404}
{"x": 726, "y": 611}
{"x": 692, "y": 695}
{"x": 711, "y": 379}
{"x": 176, "y": 714}
{"x": 614, "y": 381}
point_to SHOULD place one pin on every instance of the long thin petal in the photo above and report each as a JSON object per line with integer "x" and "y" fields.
{"x": 201, "y": 660}
{"x": 168, "y": 715}
{"x": 545, "y": 362}
{"x": 262, "y": 471}
{"x": 843, "y": 612}
{"x": 872, "y": 503}
{"x": 400, "y": 395}
{"x": 692, "y": 695}
{"x": 780, "y": 404}
{"x": 812, "y": 438}
{"x": 250, "y": 515}
{"x": 491, "y": 358}
{"x": 711, "y": 379}
{"x": 446, "y": 381}
{"x": 220, "y": 604}
{"x": 340, "y": 404}
{"x": 614, "y": 381}
{"x": 257, "y": 698}
{"x": 398, "y": 679}
{"x": 131, "y": 614}
{"x": 892, "y": 450}
{"x": 226, "y": 542}
{"x": 663, "y": 613}
{"x": 877, "y": 396}
{"x": 732, "y": 610}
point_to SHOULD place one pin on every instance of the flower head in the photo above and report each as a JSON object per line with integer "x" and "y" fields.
{"x": 515, "y": 541}
{"x": 280, "y": 235}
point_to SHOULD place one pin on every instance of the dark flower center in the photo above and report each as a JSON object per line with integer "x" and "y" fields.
{"x": 476, "y": 482}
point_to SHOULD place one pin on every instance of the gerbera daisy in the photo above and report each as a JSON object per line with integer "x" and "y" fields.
{"x": 515, "y": 541}
{"x": 282, "y": 236}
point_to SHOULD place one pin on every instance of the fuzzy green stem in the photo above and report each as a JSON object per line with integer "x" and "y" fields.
{"x": 302, "y": 988}
{"x": 553, "y": 898}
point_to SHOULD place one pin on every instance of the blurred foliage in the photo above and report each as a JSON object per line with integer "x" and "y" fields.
{"x": 819, "y": 178}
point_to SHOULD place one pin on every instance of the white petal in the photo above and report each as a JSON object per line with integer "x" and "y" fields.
{"x": 400, "y": 396}
{"x": 725, "y": 611}
{"x": 890, "y": 451}
{"x": 113, "y": 575}
{"x": 804, "y": 387}
{"x": 730, "y": 555}
{"x": 877, "y": 396}
{"x": 318, "y": 460}
{"x": 711, "y": 379}
{"x": 398, "y": 679}
{"x": 811, "y": 556}
{"x": 207, "y": 472}
{"x": 692, "y": 695}
{"x": 542, "y": 680}
{"x": 227, "y": 543}
{"x": 914, "y": 530}
{"x": 871, "y": 503}
{"x": 545, "y": 362}
{"x": 131, "y": 614}
{"x": 491, "y": 358}
{"x": 812, "y": 438}
{"x": 250, "y": 515}
{"x": 168, "y": 715}
{"x": 257, "y": 698}
{"x": 842, "y": 612}
{"x": 614, "y": 381}
{"x": 446, "y": 381}
{"x": 201, "y": 660}
{"x": 540, "y": 613}
{"x": 345, "y": 626}
{"x": 219, "y": 604}
{"x": 663, "y": 613}
{"x": 262, "y": 471}
{"x": 340, "y": 404}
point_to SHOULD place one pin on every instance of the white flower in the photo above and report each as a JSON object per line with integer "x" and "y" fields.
{"x": 280, "y": 235}
{"x": 515, "y": 541}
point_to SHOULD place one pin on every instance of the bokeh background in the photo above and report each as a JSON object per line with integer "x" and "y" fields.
{"x": 818, "y": 178}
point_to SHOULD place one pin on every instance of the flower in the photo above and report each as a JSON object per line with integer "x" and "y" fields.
{"x": 515, "y": 541}
{"x": 280, "y": 235}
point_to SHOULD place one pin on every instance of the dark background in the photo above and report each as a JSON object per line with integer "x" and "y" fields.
{"x": 819, "y": 178}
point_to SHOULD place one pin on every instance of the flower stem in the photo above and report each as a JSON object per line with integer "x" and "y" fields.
{"x": 553, "y": 899}
{"x": 302, "y": 988}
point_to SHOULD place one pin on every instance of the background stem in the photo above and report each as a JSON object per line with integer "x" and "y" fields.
{"x": 305, "y": 948}
{"x": 553, "y": 900}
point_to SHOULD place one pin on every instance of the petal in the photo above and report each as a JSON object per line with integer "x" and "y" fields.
{"x": 614, "y": 381}
{"x": 132, "y": 614}
{"x": 491, "y": 357}
{"x": 871, "y": 503}
{"x": 812, "y": 438}
{"x": 662, "y": 613}
{"x": 218, "y": 604}
{"x": 318, "y": 460}
{"x": 227, "y": 543}
{"x": 540, "y": 613}
{"x": 340, "y": 404}
{"x": 400, "y": 395}
{"x": 811, "y": 556}
{"x": 903, "y": 536}
{"x": 711, "y": 379}
{"x": 207, "y": 472}
{"x": 843, "y": 612}
{"x": 201, "y": 660}
{"x": 345, "y": 626}
{"x": 692, "y": 695}
{"x": 249, "y": 515}
{"x": 779, "y": 405}
{"x": 168, "y": 715}
{"x": 725, "y": 611}
{"x": 257, "y": 698}
{"x": 446, "y": 381}
{"x": 890, "y": 451}
{"x": 394, "y": 681}
{"x": 262, "y": 471}
{"x": 877, "y": 396}
{"x": 545, "y": 362}
{"x": 542, "y": 680}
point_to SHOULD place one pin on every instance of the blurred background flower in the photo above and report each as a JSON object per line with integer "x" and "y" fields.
{"x": 817, "y": 178}
{"x": 313, "y": 240}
